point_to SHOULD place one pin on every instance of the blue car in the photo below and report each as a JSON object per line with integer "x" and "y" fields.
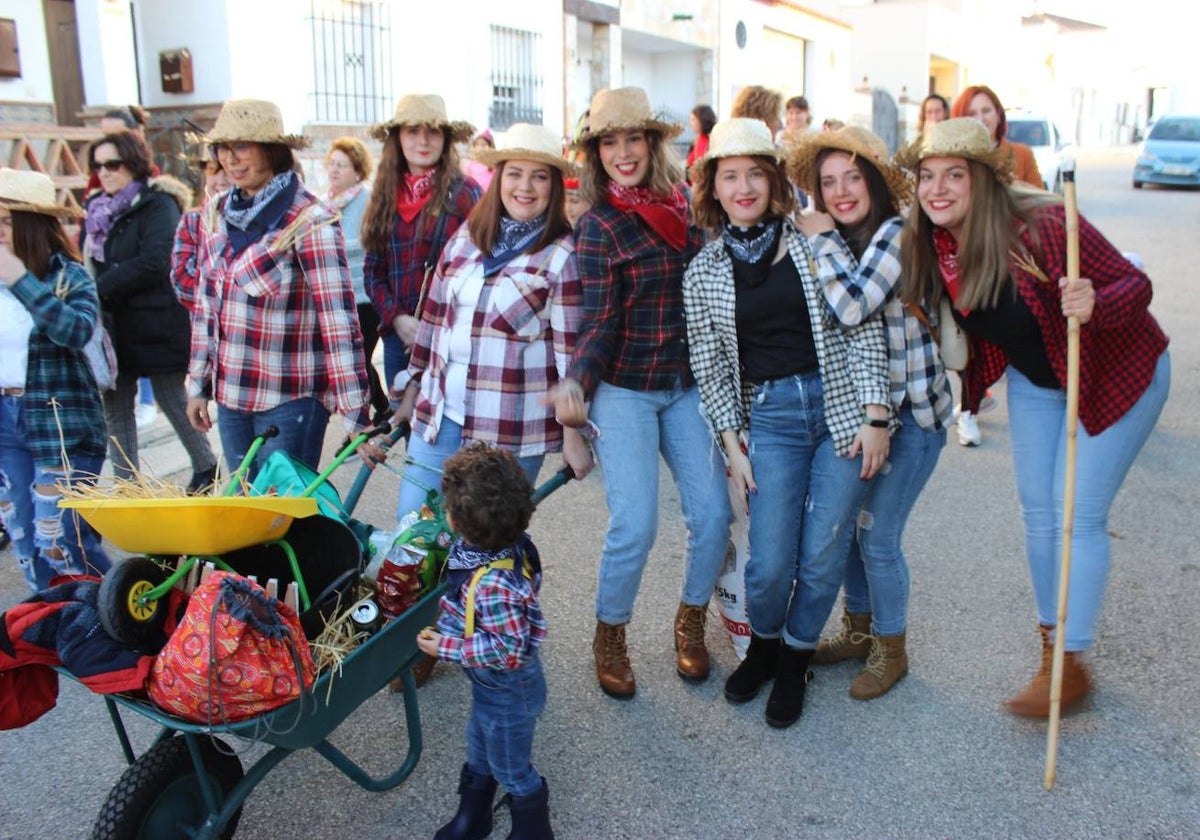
{"x": 1171, "y": 154}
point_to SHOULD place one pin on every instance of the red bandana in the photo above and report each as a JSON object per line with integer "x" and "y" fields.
{"x": 413, "y": 194}
{"x": 946, "y": 247}
{"x": 666, "y": 214}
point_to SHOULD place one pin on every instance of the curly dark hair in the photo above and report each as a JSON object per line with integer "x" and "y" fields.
{"x": 487, "y": 496}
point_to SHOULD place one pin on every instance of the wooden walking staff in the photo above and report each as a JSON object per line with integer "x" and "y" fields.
{"x": 1068, "y": 524}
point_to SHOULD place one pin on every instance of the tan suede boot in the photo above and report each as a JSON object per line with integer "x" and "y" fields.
{"x": 886, "y": 666}
{"x": 612, "y": 661}
{"x": 1034, "y": 701}
{"x": 854, "y": 642}
{"x": 691, "y": 656}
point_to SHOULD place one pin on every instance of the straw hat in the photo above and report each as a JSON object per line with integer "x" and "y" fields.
{"x": 963, "y": 137}
{"x": 423, "y": 109}
{"x": 625, "y": 109}
{"x": 523, "y": 141}
{"x": 738, "y": 137}
{"x": 803, "y": 150}
{"x": 253, "y": 121}
{"x": 32, "y": 192}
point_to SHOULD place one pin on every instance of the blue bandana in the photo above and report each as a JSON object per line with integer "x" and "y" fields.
{"x": 515, "y": 237}
{"x": 250, "y": 218}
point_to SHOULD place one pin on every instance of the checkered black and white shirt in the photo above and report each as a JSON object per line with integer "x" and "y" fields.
{"x": 857, "y": 290}
{"x": 853, "y": 363}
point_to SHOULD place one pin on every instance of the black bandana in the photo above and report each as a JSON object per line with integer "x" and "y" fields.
{"x": 752, "y": 250}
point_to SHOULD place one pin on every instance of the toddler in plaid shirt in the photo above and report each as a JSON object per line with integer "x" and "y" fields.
{"x": 491, "y": 623}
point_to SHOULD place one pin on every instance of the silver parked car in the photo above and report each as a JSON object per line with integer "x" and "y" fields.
{"x": 1041, "y": 135}
{"x": 1170, "y": 154}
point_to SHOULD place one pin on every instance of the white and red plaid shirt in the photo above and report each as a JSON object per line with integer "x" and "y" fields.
{"x": 522, "y": 338}
{"x": 278, "y": 321}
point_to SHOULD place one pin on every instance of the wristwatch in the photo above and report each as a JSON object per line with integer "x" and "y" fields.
{"x": 875, "y": 423}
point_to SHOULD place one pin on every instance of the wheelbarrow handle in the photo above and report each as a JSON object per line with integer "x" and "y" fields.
{"x": 235, "y": 480}
{"x": 364, "y": 473}
{"x": 553, "y": 483}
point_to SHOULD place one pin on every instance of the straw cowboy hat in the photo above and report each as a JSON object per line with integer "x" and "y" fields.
{"x": 253, "y": 121}
{"x": 963, "y": 137}
{"x": 625, "y": 109}
{"x": 859, "y": 143}
{"x": 738, "y": 137}
{"x": 32, "y": 192}
{"x": 523, "y": 141}
{"x": 423, "y": 109}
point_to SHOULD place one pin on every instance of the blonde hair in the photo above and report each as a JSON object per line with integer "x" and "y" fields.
{"x": 663, "y": 174}
{"x": 709, "y": 215}
{"x": 759, "y": 103}
{"x": 991, "y": 236}
{"x": 357, "y": 151}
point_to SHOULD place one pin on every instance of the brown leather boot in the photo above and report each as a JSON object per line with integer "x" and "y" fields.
{"x": 1034, "y": 701}
{"x": 612, "y": 661}
{"x": 886, "y": 666}
{"x": 854, "y": 642}
{"x": 691, "y": 656}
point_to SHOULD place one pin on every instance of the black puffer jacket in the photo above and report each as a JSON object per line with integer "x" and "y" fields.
{"x": 149, "y": 326}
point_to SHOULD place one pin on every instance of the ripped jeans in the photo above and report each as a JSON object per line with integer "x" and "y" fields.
{"x": 47, "y": 541}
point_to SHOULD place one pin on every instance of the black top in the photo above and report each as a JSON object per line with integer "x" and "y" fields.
{"x": 774, "y": 332}
{"x": 1012, "y": 327}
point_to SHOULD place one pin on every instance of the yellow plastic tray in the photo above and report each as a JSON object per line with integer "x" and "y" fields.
{"x": 196, "y": 525}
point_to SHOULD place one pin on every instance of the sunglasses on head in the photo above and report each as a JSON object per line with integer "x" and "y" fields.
{"x": 111, "y": 165}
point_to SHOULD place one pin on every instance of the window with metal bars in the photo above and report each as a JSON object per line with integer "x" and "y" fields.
{"x": 352, "y": 66}
{"x": 516, "y": 78}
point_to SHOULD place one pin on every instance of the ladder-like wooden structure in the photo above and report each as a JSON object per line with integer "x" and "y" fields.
{"x": 59, "y": 151}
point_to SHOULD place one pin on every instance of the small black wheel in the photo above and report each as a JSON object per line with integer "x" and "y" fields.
{"x": 1137, "y": 185}
{"x": 124, "y": 614}
{"x": 159, "y": 795}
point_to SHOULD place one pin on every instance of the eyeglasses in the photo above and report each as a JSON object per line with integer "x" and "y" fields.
{"x": 111, "y": 165}
{"x": 236, "y": 149}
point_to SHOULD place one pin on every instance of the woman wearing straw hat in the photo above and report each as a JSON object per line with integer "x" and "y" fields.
{"x": 499, "y": 324}
{"x": 855, "y": 237}
{"x": 998, "y": 252}
{"x": 276, "y": 341}
{"x": 814, "y": 398}
{"x": 128, "y": 236}
{"x": 632, "y": 362}
{"x": 418, "y": 202}
{"x": 51, "y": 415}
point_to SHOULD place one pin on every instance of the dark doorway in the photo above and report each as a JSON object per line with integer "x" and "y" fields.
{"x": 62, "y": 37}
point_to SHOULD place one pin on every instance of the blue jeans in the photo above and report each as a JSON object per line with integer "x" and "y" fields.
{"x": 395, "y": 358}
{"x": 802, "y": 517}
{"x": 876, "y": 569}
{"x": 1037, "y": 417}
{"x": 504, "y": 710}
{"x": 301, "y": 425}
{"x": 635, "y": 426}
{"x": 48, "y": 541}
{"x": 424, "y": 471}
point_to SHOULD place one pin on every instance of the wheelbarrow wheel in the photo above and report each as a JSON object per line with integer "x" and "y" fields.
{"x": 123, "y": 614}
{"x": 160, "y": 796}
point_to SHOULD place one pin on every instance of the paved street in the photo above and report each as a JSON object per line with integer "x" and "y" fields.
{"x": 935, "y": 758}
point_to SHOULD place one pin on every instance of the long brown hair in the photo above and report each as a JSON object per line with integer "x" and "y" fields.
{"x": 483, "y": 224}
{"x": 991, "y": 235}
{"x": 883, "y": 205}
{"x": 663, "y": 174}
{"x": 710, "y": 216}
{"x": 380, "y": 215}
{"x": 36, "y": 238}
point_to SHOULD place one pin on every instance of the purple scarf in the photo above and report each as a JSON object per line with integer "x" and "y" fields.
{"x": 101, "y": 212}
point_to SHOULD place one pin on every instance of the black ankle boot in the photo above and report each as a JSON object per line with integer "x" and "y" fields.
{"x": 474, "y": 818}
{"x": 202, "y": 482}
{"x": 759, "y": 666}
{"x": 531, "y": 815}
{"x": 787, "y": 696}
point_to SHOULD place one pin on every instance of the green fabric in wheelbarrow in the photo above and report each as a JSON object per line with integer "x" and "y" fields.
{"x": 283, "y": 475}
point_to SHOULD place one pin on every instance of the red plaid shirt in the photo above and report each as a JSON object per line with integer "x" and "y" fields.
{"x": 183, "y": 258}
{"x": 633, "y": 333}
{"x": 392, "y": 277}
{"x": 522, "y": 336}
{"x": 1119, "y": 346}
{"x": 278, "y": 322}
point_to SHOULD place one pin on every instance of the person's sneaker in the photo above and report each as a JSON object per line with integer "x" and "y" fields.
{"x": 145, "y": 414}
{"x": 968, "y": 430}
{"x": 988, "y": 403}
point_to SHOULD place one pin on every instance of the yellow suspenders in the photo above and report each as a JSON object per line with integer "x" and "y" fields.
{"x": 469, "y": 606}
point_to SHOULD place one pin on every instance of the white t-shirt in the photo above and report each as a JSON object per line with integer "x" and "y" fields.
{"x": 16, "y": 325}
{"x": 465, "y": 292}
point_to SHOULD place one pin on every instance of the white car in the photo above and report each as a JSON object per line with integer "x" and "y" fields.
{"x": 1041, "y": 135}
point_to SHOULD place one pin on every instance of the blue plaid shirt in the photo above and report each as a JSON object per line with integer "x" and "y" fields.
{"x": 64, "y": 308}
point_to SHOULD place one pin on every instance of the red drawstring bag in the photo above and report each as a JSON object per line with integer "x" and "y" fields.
{"x": 237, "y": 652}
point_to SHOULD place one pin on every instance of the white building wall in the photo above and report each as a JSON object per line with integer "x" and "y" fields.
{"x": 201, "y": 27}
{"x": 35, "y": 83}
{"x": 270, "y": 55}
{"x": 106, "y": 52}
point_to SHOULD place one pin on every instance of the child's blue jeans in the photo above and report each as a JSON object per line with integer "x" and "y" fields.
{"x": 504, "y": 708}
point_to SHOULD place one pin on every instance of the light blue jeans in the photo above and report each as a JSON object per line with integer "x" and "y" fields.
{"x": 1037, "y": 417}
{"x": 876, "y": 569}
{"x": 802, "y": 517}
{"x": 301, "y": 425}
{"x": 424, "y": 471}
{"x": 635, "y": 427}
